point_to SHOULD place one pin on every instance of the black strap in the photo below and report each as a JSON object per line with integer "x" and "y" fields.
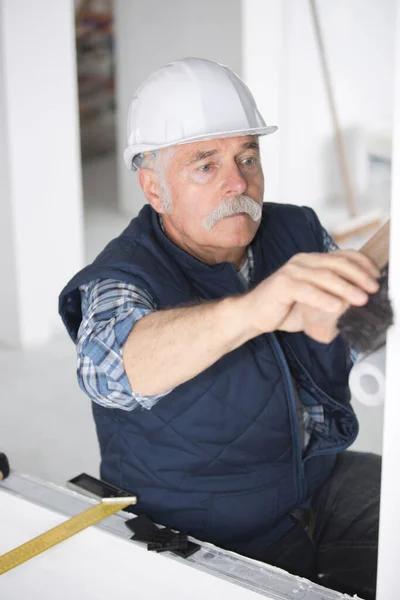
{"x": 161, "y": 539}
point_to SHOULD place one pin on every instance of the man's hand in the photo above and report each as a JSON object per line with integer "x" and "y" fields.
{"x": 311, "y": 291}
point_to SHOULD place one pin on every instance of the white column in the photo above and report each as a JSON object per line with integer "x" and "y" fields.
{"x": 153, "y": 33}
{"x": 263, "y": 71}
{"x": 40, "y": 174}
{"x": 389, "y": 529}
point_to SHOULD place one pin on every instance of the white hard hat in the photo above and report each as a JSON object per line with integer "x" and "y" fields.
{"x": 190, "y": 100}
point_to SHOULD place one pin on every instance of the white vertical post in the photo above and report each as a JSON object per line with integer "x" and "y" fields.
{"x": 389, "y": 533}
{"x": 40, "y": 173}
{"x": 263, "y": 55}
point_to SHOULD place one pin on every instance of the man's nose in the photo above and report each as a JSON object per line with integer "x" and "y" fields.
{"x": 234, "y": 183}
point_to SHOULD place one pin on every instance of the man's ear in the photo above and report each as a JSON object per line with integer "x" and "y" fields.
{"x": 149, "y": 183}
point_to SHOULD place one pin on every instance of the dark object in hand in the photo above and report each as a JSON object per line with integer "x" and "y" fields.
{"x": 364, "y": 327}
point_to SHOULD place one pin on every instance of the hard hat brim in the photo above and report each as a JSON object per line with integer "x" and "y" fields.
{"x": 135, "y": 149}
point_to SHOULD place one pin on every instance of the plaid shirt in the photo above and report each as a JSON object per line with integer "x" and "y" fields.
{"x": 110, "y": 309}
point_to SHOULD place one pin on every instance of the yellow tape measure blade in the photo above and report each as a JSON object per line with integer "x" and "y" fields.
{"x": 61, "y": 532}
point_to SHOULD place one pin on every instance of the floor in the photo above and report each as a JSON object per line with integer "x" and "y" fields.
{"x": 46, "y": 426}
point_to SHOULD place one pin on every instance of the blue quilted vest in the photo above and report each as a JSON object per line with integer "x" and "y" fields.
{"x": 220, "y": 457}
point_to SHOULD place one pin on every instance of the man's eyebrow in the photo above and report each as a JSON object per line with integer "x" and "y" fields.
{"x": 253, "y": 145}
{"x": 201, "y": 155}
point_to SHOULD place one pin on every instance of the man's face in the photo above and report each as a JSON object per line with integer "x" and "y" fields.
{"x": 204, "y": 175}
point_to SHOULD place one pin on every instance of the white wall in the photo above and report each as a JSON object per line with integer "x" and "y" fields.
{"x": 153, "y": 33}
{"x": 40, "y": 183}
{"x": 359, "y": 37}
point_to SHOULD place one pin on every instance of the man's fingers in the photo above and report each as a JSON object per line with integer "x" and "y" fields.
{"x": 311, "y": 291}
{"x": 312, "y": 296}
{"x": 339, "y": 263}
{"x": 328, "y": 281}
{"x": 362, "y": 260}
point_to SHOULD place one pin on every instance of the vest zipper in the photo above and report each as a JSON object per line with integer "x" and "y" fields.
{"x": 292, "y": 409}
{"x": 342, "y": 407}
{"x": 293, "y": 417}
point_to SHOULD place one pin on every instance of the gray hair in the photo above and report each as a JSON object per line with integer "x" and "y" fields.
{"x": 159, "y": 161}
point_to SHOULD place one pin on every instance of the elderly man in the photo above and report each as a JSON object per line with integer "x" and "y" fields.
{"x": 207, "y": 340}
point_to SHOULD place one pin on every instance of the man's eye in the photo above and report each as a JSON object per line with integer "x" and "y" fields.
{"x": 250, "y": 160}
{"x": 205, "y": 168}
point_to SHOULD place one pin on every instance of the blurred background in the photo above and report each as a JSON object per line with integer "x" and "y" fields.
{"x": 68, "y": 71}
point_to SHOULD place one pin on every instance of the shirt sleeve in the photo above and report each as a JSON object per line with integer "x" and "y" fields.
{"x": 110, "y": 310}
{"x": 329, "y": 243}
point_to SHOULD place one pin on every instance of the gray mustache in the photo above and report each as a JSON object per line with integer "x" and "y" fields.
{"x": 233, "y": 206}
